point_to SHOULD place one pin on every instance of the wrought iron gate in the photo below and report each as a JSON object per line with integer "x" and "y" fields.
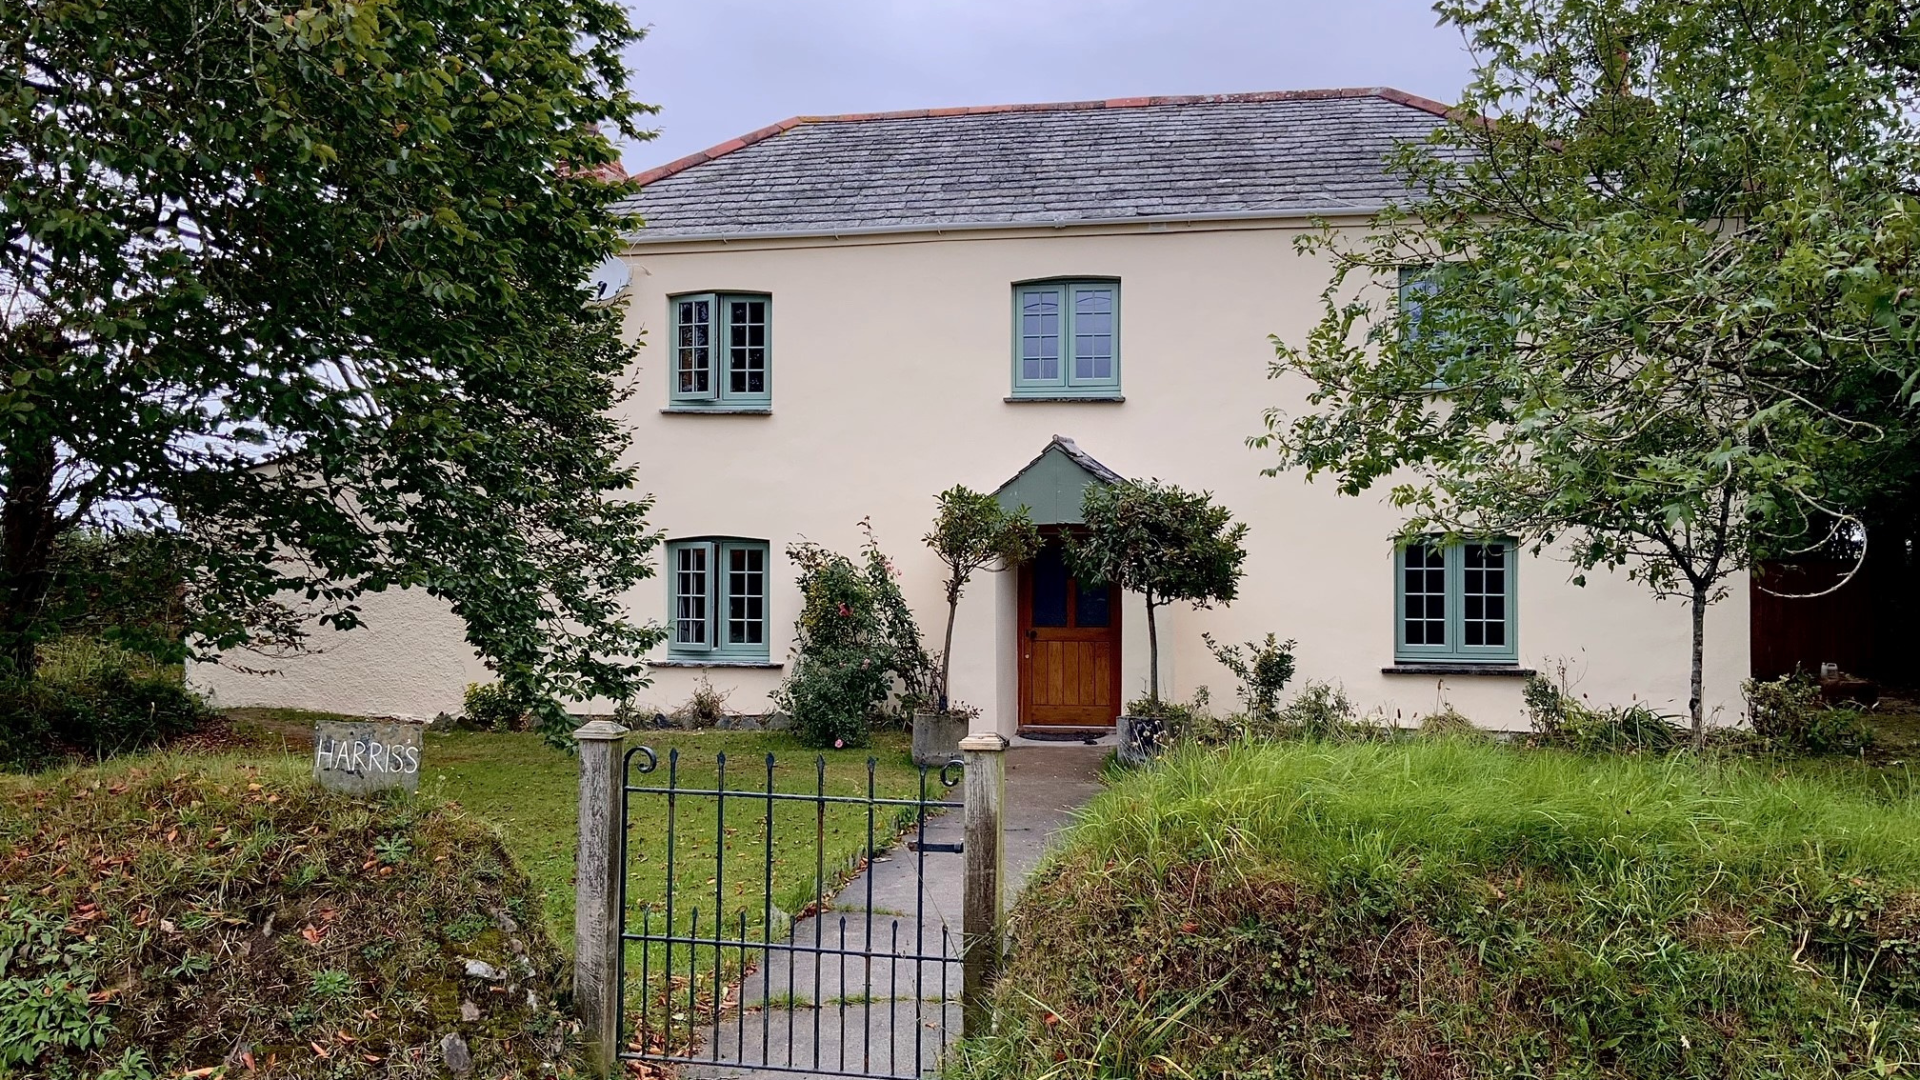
{"x": 776, "y": 975}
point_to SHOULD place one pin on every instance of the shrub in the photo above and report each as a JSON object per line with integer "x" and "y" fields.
{"x": 705, "y": 708}
{"x": 493, "y": 706}
{"x": 1559, "y": 719}
{"x": 1263, "y": 668}
{"x": 1448, "y": 722}
{"x": 93, "y": 698}
{"x": 1788, "y": 716}
{"x": 1319, "y": 710}
{"x": 856, "y": 644}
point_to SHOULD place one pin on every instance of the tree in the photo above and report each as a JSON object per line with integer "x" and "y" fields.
{"x": 971, "y": 532}
{"x": 303, "y": 290}
{"x": 1162, "y": 542}
{"x": 1643, "y": 259}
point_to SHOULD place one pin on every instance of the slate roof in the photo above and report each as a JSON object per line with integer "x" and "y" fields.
{"x": 1272, "y": 154}
{"x": 1074, "y": 454}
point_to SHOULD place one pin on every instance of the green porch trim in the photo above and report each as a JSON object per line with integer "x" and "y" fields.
{"x": 1053, "y": 485}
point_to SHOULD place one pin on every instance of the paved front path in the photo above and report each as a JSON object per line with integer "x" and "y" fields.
{"x": 885, "y": 1016}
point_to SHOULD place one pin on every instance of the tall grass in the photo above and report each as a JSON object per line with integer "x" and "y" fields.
{"x": 1460, "y": 805}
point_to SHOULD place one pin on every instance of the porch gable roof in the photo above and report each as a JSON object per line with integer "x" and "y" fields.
{"x": 1052, "y": 485}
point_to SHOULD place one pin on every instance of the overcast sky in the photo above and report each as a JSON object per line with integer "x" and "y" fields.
{"x": 721, "y": 68}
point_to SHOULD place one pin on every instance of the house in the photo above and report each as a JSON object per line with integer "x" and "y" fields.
{"x": 844, "y": 315}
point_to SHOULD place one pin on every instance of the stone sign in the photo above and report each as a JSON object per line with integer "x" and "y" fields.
{"x": 365, "y": 756}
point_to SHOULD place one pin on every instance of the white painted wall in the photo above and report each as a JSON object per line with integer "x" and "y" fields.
{"x": 891, "y": 360}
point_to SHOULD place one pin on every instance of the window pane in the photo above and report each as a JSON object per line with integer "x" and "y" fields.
{"x": 690, "y": 595}
{"x": 1484, "y": 594}
{"x": 1050, "y": 582}
{"x": 1416, "y": 284}
{"x": 1040, "y": 336}
{"x": 1425, "y": 596}
{"x": 1092, "y": 605}
{"x": 694, "y": 358}
{"x": 1093, "y": 335}
{"x": 746, "y": 346}
{"x": 746, "y": 596}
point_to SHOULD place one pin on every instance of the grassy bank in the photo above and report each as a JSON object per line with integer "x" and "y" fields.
{"x": 1451, "y": 908}
{"x": 172, "y": 913}
{"x": 217, "y": 844}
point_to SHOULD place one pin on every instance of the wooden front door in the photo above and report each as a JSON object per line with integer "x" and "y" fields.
{"x": 1069, "y": 646}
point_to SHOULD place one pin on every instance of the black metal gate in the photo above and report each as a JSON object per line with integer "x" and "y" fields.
{"x": 757, "y": 959}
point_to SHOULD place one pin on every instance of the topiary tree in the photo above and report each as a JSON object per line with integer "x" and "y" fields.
{"x": 971, "y": 532}
{"x": 1162, "y": 542}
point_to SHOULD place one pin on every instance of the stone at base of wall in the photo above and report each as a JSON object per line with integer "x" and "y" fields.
{"x": 936, "y": 737}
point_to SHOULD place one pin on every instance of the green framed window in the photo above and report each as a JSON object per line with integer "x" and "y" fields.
{"x": 722, "y": 350}
{"x": 1456, "y": 602}
{"x": 1066, "y": 339}
{"x": 717, "y": 599}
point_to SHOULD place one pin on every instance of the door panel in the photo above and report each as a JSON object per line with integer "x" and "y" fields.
{"x": 1069, "y": 646}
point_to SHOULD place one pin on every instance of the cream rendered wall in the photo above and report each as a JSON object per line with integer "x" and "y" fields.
{"x": 891, "y": 360}
{"x": 891, "y": 363}
{"x": 410, "y": 659}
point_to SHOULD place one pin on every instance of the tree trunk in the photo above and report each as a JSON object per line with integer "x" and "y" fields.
{"x": 1153, "y": 655}
{"x": 27, "y": 523}
{"x": 946, "y": 655}
{"x": 1696, "y": 701}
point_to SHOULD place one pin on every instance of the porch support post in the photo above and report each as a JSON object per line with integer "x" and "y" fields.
{"x": 984, "y": 902}
{"x": 596, "y": 909}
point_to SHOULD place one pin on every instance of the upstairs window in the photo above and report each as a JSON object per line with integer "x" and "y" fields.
{"x": 717, "y": 599}
{"x": 722, "y": 351}
{"x": 1456, "y": 602}
{"x": 1066, "y": 339}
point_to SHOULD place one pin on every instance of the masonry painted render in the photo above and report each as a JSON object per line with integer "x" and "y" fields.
{"x": 891, "y": 361}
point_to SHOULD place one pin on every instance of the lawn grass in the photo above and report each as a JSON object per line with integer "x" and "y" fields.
{"x": 1453, "y": 907}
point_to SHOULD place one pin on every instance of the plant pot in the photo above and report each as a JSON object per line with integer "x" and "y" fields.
{"x": 936, "y": 737}
{"x": 1140, "y": 738}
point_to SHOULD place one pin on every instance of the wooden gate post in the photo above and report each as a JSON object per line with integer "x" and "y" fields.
{"x": 596, "y": 907}
{"x": 983, "y": 905}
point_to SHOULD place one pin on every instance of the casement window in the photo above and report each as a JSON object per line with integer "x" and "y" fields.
{"x": 1468, "y": 337}
{"x": 1066, "y": 339}
{"x": 722, "y": 351}
{"x": 1456, "y": 602}
{"x": 717, "y": 599}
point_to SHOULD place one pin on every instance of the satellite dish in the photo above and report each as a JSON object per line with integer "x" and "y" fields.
{"x": 610, "y": 277}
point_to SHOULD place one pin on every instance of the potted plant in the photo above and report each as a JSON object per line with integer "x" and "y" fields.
{"x": 1168, "y": 545}
{"x": 971, "y": 532}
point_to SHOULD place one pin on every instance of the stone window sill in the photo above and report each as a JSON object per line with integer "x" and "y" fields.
{"x": 718, "y": 410}
{"x": 1065, "y": 399}
{"x": 1507, "y": 671}
{"x": 676, "y": 662}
